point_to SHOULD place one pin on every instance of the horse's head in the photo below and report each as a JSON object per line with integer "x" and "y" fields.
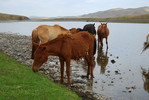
{"x": 103, "y": 28}
{"x": 40, "y": 56}
{"x": 90, "y": 28}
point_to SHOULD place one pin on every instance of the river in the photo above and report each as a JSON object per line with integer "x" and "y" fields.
{"x": 118, "y": 73}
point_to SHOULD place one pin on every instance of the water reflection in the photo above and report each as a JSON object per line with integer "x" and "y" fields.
{"x": 145, "y": 74}
{"x": 146, "y": 44}
{"x": 102, "y": 59}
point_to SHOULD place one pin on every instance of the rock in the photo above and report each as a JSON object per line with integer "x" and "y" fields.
{"x": 113, "y": 61}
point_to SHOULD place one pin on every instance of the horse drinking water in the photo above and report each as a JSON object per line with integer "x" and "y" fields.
{"x": 67, "y": 47}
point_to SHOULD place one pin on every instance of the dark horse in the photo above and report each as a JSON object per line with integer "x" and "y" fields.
{"x": 90, "y": 28}
{"x": 67, "y": 47}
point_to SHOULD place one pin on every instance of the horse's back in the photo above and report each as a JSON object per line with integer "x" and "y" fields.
{"x": 78, "y": 44}
{"x": 48, "y": 32}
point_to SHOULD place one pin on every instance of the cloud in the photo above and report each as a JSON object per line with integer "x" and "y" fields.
{"x": 53, "y": 8}
{"x": 92, "y": 1}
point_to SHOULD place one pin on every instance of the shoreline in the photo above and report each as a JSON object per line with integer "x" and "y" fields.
{"x": 19, "y": 47}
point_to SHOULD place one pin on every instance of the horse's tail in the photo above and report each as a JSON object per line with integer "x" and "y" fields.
{"x": 35, "y": 39}
{"x": 94, "y": 46}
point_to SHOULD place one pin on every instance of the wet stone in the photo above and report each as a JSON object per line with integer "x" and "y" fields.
{"x": 113, "y": 61}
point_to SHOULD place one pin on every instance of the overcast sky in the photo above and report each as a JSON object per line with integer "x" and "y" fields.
{"x": 54, "y": 8}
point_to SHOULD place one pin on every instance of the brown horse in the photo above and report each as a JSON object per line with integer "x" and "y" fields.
{"x": 89, "y": 28}
{"x": 67, "y": 47}
{"x": 103, "y": 32}
{"x": 45, "y": 33}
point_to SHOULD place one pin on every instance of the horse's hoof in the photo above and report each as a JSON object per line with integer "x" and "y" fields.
{"x": 61, "y": 82}
{"x": 68, "y": 86}
{"x": 92, "y": 77}
{"x": 87, "y": 75}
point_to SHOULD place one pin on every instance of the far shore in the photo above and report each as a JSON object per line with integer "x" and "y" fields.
{"x": 112, "y": 20}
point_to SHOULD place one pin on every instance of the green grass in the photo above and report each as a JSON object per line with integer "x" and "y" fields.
{"x": 18, "y": 82}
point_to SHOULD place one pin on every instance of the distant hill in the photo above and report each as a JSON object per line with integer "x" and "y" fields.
{"x": 12, "y": 17}
{"x": 117, "y": 12}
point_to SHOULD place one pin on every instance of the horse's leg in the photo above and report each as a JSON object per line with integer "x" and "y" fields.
{"x": 62, "y": 70}
{"x": 89, "y": 68}
{"x": 91, "y": 65}
{"x": 107, "y": 42}
{"x": 101, "y": 39}
{"x": 68, "y": 71}
{"x": 98, "y": 41}
{"x": 94, "y": 47}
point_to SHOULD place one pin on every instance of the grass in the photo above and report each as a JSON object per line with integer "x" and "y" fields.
{"x": 18, "y": 82}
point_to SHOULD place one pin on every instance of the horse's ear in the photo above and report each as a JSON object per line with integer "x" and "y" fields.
{"x": 35, "y": 44}
{"x": 94, "y": 24}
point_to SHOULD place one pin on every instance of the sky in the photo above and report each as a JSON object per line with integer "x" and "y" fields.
{"x": 56, "y": 8}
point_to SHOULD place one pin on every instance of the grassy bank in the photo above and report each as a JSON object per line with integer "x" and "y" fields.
{"x": 12, "y": 17}
{"x": 18, "y": 82}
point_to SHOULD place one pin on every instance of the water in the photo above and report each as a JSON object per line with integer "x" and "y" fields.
{"x": 121, "y": 79}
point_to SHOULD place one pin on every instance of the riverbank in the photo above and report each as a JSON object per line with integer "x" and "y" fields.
{"x": 19, "y": 48}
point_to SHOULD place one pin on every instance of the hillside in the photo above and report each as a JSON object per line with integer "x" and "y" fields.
{"x": 117, "y": 12}
{"x": 128, "y": 19}
{"x": 12, "y": 17}
{"x": 124, "y": 19}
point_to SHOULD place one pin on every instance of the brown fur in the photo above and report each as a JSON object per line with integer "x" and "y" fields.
{"x": 103, "y": 32}
{"x": 45, "y": 33}
{"x": 74, "y": 30}
{"x": 67, "y": 47}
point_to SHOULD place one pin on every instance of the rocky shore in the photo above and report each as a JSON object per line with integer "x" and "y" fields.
{"x": 19, "y": 47}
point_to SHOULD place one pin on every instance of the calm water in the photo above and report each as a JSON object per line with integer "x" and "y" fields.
{"x": 121, "y": 80}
